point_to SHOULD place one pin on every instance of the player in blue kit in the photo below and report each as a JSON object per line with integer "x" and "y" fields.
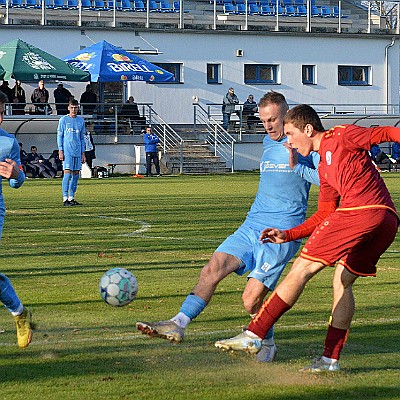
{"x": 281, "y": 199}
{"x": 10, "y": 168}
{"x": 71, "y": 147}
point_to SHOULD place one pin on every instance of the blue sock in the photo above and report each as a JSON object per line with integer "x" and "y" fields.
{"x": 270, "y": 333}
{"x": 193, "y": 306}
{"x": 73, "y": 185}
{"x": 8, "y": 296}
{"x": 65, "y": 184}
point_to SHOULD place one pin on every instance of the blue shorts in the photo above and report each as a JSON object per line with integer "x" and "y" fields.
{"x": 72, "y": 163}
{"x": 265, "y": 261}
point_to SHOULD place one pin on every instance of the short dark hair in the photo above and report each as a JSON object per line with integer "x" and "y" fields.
{"x": 302, "y": 115}
{"x": 273, "y": 98}
{"x": 73, "y": 102}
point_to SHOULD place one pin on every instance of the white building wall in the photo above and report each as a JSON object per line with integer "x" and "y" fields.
{"x": 195, "y": 49}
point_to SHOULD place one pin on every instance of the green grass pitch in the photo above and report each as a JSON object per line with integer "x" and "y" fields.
{"x": 164, "y": 230}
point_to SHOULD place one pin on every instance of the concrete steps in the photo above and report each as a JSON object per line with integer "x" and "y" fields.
{"x": 197, "y": 158}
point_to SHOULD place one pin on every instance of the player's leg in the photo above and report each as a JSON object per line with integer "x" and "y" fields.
{"x": 339, "y": 323}
{"x": 22, "y": 315}
{"x": 219, "y": 266}
{"x": 65, "y": 186}
{"x": 253, "y": 298}
{"x": 73, "y": 186}
{"x": 280, "y": 301}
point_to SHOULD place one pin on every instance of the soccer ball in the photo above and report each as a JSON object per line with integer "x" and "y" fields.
{"x": 118, "y": 287}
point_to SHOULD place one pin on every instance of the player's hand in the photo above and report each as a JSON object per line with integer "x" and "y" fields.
{"x": 293, "y": 155}
{"x": 83, "y": 158}
{"x": 9, "y": 169}
{"x": 61, "y": 155}
{"x": 273, "y": 235}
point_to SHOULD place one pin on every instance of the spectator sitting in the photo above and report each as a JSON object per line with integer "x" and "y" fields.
{"x": 55, "y": 162}
{"x": 396, "y": 152}
{"x": 44, "y": 169}
{"x": 249, "y": 109}
{"x": 379, "y": 156}
{"x": 88, "y": 100}
{"x": 130, "y": 110}
{"x": 43, "y": 108}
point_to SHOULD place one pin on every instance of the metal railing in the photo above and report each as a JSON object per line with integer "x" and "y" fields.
{"x": 220, "y": 141}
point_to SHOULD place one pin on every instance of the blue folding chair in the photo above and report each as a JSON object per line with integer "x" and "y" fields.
{"x": 302, "y": 11}
{"x": 314, "y": 11}
{"x": 126, "y": 5}
{"x": 72, "y": 4}
{"x": 165, "y": 6}
{"x": 87, "y": 4}
{"x": 326, "y": 11}
{"x": 254, "y": 9}
{"x": 266, "y": 10}
{"x": 153, "y": 6}
{"x": 240, "y": 9}
{"x": 290, "y": 11}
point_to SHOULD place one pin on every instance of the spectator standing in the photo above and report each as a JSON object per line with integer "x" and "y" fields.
{"x": 40, "y": 97}
{"x": 90, "y": 148}
{"x": 228, "y": 107}
{"x": 18, "y": 99}
{"x": 71, "y": 146}
{"x": 10, "y": 169}
{"x": 62, "y": 96}
{"x": 88, "y": 100}
{"x": 7, "y": 91}
{"x": 355, "y": 223}
{"x": 249, "y": 109}
{"x": 150, "y": 146}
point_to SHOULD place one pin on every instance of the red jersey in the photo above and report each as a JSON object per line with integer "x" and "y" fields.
{"x": 346, "y": 170}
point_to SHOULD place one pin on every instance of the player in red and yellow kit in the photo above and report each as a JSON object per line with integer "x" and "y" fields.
{"x": 355, "y": 223}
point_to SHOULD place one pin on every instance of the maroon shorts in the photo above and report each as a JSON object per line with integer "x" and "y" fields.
{"x": 356, "y": 238}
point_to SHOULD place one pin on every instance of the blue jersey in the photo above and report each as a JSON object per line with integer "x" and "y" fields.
{"x": 281, "y": 199}
{"x": 70, "y": 135}
{"x": 9, "y": 148}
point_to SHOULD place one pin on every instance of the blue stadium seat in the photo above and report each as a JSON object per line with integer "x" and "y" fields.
{"x": 100, "y": 5}
{"x": 280, "y": 10}
{"x": 87, "y": 4}
{"x": 336, "y": 13}
{"x": 286, "y": 3}
{"x": 3, "y": 3}
{"x": 254, "y": 9}
{"x": 229, "y": 8}
{"x": 165, "y": 6}
{"x": 298, "y": 3}
{"x": 126, "y": 5}
{"x": 266, "y": 10}
{"x": 240, "y": 8}
{"x": 72, "y": 4}
{"x": 326, "y": 11}
{"x": 139, "y": 6}
{"x": 302, "y": 11}
{"x": 315, "y": 11}
{"x": 290, "y": 11}
{"x": 32, "y": 4}
{"x": 153, "y": 6}
{"x": 58, "y": 4}
{"x": 16, "y": 4}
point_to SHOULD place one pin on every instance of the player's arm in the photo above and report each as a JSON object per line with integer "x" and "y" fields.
{"x": 306, "y": 167}
{"x": 12, "y": 168}
{"x": 328, "y": 201}
{"x": 382, "y": 134}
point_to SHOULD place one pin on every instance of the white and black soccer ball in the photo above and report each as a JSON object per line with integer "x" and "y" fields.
{"x": 118, "y": 287}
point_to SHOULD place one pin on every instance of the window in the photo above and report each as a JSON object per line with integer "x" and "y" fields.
{"x": 351, "y": 75}
{"x": 174, "y": 68}
{"x": 214, "y": 73}
{"x": 260, "y": 73}
{"x": 308, "y": 74}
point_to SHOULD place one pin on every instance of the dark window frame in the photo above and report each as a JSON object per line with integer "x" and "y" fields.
{"x": 258, "y": 73}
{"x": 353, "y": 75}
{"x": 175, "y": 69}
{"x": 215, "y": 79}
{"x": 308, "y": 74}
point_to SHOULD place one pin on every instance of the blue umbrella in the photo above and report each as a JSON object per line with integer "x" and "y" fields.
{"x": 108, "y": 63}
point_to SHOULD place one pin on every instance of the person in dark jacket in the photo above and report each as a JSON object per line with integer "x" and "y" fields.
{"x": 150, "y": 146}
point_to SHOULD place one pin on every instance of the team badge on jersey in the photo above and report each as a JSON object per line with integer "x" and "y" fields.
{"x": 328, "y": 157}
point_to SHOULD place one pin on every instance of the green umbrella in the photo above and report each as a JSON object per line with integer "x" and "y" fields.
{"x": 24, "y": 62}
